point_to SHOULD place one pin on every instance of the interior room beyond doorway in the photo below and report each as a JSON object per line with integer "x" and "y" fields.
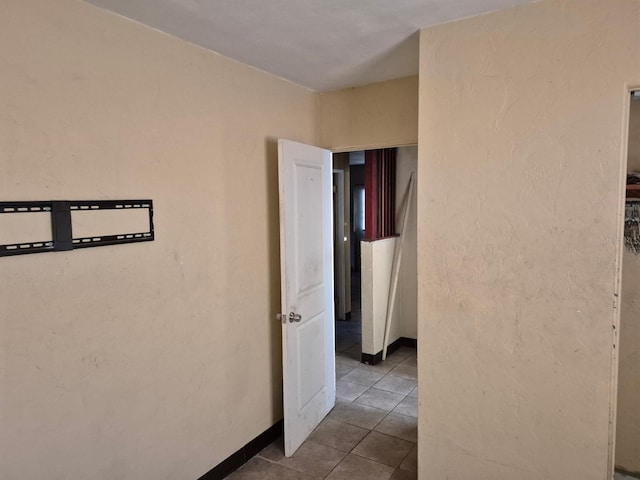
{"x": 369, "y": 258}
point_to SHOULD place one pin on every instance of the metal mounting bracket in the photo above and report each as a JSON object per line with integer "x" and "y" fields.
{"x": 62, "y": 229}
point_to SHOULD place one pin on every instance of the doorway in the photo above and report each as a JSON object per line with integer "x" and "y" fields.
{"x": 377, "y": 397}
{"x": 371, "y": 263}
{"x": 627, "y": 450}
{"x": 373, "y": 427}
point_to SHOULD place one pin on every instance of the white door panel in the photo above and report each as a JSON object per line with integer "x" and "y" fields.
{"x": 306, "y": 232}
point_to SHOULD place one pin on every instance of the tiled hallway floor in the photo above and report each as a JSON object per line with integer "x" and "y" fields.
{"x": 371, "y": 433}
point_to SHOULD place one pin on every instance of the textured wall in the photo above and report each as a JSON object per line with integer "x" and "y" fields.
{"x": 407, "y": 300}
{"x": 520, "y": 151}
{"x": 373, "y": 116}
{"x": 628, "y": 424}
{"x": 152, "y": 361}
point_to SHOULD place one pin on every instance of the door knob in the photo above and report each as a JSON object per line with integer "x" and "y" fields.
{"x": 293, "y": 317}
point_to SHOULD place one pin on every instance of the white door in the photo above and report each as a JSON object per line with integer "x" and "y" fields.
{"x": 306, "y": 257}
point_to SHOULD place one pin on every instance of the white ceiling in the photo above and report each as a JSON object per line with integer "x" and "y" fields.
{"x": 320, "y": 44}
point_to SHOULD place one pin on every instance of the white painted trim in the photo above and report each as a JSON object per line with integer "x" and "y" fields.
{"x": 615, "y": 339}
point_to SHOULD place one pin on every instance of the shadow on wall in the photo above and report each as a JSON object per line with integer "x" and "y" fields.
{"x": 273, "y": 247}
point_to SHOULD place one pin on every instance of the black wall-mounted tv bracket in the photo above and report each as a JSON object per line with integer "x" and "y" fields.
{"x": 61, "y": 230}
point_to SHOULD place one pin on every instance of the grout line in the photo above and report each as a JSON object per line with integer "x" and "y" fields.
{"x": 406, "y": 456}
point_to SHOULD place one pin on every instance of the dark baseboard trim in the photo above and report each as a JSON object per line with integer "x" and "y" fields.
{"x": 410, "y": 342}
{"x": 627, "y": 473}
{"x": 246, "y": 453}
{"x": 370, "y": 359}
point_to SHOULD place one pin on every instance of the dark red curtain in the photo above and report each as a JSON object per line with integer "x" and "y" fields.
{"x": 380, "y": 193}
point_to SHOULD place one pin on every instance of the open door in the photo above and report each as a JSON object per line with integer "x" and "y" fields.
{"x": 306, "y": 256}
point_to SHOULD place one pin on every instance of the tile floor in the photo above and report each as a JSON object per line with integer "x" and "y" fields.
{"x": 371, "y": 433}
{"x": 621, "y": 476}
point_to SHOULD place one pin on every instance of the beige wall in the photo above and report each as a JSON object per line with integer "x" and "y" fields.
{"x": 520, "y": 152}
{"x": 373, "y": 116}
{"x": 628, "y": 423}
{"x": 407, "y": 300}
{"x": 150, "y": 361}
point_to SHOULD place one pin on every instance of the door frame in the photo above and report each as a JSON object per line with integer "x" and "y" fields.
{"x": 617, "y": 311}
{"x": 339, "y": 257}
{"x": 331, "y": 233}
